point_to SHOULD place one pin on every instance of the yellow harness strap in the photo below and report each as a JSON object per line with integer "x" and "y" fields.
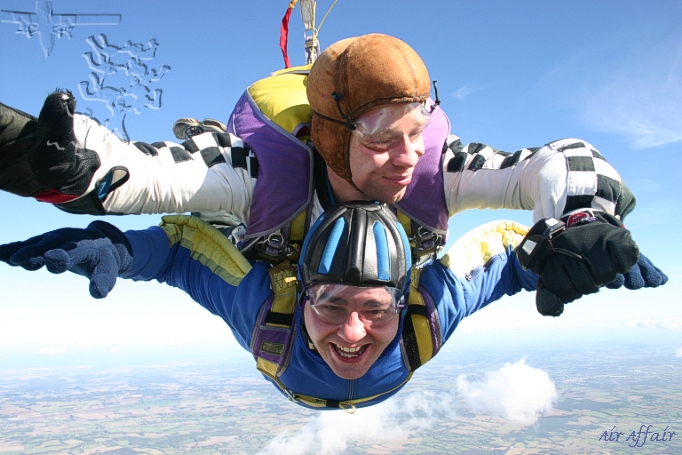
{"x": 275, "y": 321}
{"x": 347, "y": 405}
{"x": 298, "y": 228}
{"x": 406, "y": 223}
{"x": 283, "y": 281}
{"x": 418, "y": 331}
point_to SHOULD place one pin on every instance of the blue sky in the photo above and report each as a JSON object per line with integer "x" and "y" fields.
{"x": 510, "y": 74}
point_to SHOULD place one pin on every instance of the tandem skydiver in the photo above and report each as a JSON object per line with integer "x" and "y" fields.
{"x": 347, "y": 327}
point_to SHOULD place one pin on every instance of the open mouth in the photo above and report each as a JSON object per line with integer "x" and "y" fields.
{"x": 349, "y": 353}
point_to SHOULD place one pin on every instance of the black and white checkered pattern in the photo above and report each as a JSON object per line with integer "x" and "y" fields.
{"x": 591, "y": 181}
{"x": 213, "y": 148}
{"x": 475, "y": 156}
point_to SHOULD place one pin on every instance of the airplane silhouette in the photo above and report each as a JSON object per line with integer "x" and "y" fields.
{"x": 50, "y": 26}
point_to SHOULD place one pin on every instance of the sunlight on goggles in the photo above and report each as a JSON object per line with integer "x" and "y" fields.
{"x": 383, "y": 128}
{"x": 375, "y": 306}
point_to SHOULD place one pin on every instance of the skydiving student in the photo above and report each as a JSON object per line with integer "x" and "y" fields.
{"x": 359, "y": 125}
{"x": 351, "y": 324}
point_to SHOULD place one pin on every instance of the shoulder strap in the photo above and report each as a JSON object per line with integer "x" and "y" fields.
{"x": 273, "y": 336}
{"x": 425, "y": 243}
{"x": 421, "y": 338}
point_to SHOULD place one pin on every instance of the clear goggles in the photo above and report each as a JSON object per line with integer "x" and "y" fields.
{"x": 384, "y": 127}
{"x": 334, "y": 303}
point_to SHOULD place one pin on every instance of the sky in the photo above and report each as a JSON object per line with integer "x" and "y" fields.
{"x": 510, "y": 74}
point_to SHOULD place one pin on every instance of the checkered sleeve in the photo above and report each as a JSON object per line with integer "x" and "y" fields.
{"x": 558, "y": 178}
{"x": 209, "y": 172}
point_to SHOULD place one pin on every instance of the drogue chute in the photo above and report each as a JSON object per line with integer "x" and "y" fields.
{"x": 311, "y": 31}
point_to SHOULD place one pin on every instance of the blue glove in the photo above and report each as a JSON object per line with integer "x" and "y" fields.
{"x": 100, "y": 252}
{"x": 644, "y": 274}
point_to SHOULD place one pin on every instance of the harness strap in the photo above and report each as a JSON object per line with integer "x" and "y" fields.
{"x": 421, "y": 330}
{"x": 273, "y": 335}
{"x": 346, "y": 405}
{"x": 283, "y": 244}
{"x": 425, "y": 243}
{"x": 406, "y": 222}
{"x": 283, "y": 281}
{"x": 298, "y": 228}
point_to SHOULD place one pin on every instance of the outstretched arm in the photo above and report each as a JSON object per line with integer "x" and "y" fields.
{"x": 478, "y": 269}
{"x": 554, "y": 180}
{"x": 184, "y": 252}
{"x": 73, "y": 162}
{"x": 99, "y": 252}
{"x": 498, "y": 258}
{"x": 38, "y": 155}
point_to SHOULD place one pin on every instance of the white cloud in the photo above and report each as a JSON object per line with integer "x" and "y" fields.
{"x": 678, "y": 352}
{"x": 642, "y": 101}
{"x": 516, "y": 392}
{"x": 330, "y": 432}
{"x": 463, "y": 91}
{"x": 668, "y": 323}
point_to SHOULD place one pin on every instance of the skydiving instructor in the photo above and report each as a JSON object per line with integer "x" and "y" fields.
{"x": 360, "y": 125}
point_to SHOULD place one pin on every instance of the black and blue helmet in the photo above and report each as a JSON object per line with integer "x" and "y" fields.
{"x": 357, "y": 243}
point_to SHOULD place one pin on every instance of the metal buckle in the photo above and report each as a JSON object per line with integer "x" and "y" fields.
{"x": 274, "y": 244}
{"x": 427, "y": 245}
{"x": 289, "y": 394}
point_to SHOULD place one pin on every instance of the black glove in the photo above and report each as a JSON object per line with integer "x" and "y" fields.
{"x": 17, "y": 134}
{"x": 40, "y": 157}
{"x": 576, "y": 260}
{"x": 100, "y": 252}
{"x": 644, "y": 274}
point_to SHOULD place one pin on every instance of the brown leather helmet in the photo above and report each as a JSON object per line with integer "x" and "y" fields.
{"x": 352, "y": 76}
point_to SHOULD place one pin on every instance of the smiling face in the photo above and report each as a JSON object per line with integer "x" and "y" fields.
{"x": 352, "y": 343}
{"x": 383, "y": 153}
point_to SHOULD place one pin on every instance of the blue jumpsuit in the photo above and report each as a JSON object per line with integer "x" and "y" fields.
{"x": 179, "y": 263}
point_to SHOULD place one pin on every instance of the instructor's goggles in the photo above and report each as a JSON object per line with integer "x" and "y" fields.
{"x": 383, "y": 128}
{"x": 334, "y": 303}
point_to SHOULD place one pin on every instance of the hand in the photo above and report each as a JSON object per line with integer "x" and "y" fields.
{"x": 644, "y": 274}
{"x": 100, "y": 252}
{"x": 576, "y": 260}
{"x": 40, "y": 157}
{"x": 17, "y": 135}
